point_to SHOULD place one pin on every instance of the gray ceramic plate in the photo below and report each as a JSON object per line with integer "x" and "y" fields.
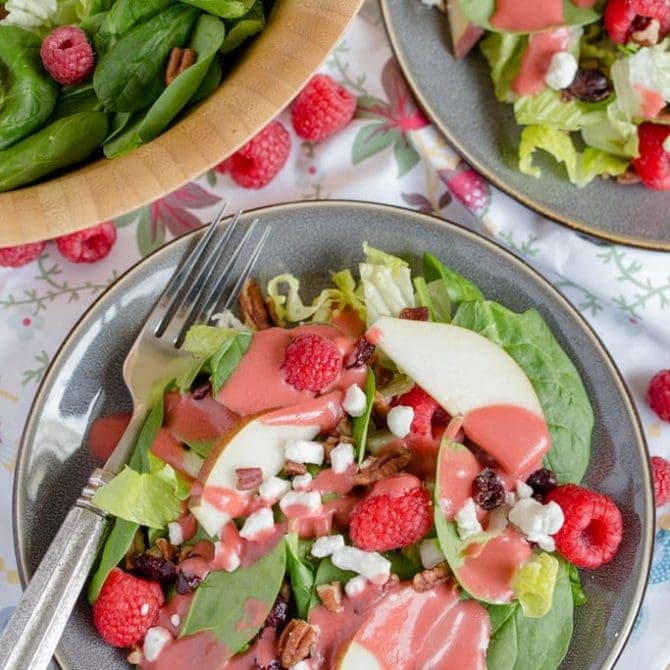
{"x": 458, "y": 96}
{"x": 310, "y": 239}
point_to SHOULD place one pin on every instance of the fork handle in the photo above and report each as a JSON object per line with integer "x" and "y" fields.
{"x": 33, "y": 632}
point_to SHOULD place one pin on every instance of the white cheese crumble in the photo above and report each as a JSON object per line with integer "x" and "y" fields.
{"x": 154, "y": 641}
{"x": 562, "y": 70}
{"x": 523, "y": 490}
{"x": 257, "y": 524}
{"x": 355, "y": 401}
{"x": 175, "y": 620}
{"x": 399, "y": 420}
{"x": 430, "y": 553}
{"x": 326, "y": 545}
{"x": 466, "y": 520}
{"x": 302, "y": 482}
{"x": 175, "y": 533}
{"x": 341, "y": 457}
{"x": 273, "y": 488}
{"x": 538, "y": 522}
{"x": 355, "y": 586}
{"x": 370, "y": 564}
{"x": 226, "y": 557}
{"x": 304, "y": 451}
{"x": 311, "y": 500}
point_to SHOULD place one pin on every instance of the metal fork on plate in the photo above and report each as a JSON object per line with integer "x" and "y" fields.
{"x": 192, "y": 295}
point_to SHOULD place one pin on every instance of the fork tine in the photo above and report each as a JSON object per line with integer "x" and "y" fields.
{"x": 180, "y": 277}
{"x": 199, "y": 280}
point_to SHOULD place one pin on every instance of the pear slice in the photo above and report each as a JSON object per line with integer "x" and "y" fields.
{"x": 464, "y": 33}
{"x": 250, "y": 444}
{"x": 470, "y": 376}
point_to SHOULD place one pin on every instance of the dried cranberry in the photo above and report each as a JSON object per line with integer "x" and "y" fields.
{"x": 415, "y": 313}
{"x": 360, "y": 354}
{"x": 187, "y": 583}
{"x": 200, "y": 391}
{"x": 155, "y": 567}
{"x": 590, "y": 85}
{"x": 487, "y": 489}
{"x": 542, "y": 481}
{"x": 279, "y": 614}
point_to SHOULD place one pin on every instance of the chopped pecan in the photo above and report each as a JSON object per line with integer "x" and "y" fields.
{"x": 646, "y": 31}
{"x": 330, "y": 595}
{"x": 180, "y": 60}
{"x": 390, "y": 462}
{"x": 164, "y": 549}
{"x": 628, "y": 178}
{"x": 184, "y": 553}
{"x": 426, "y": 580}
{"x": 253, "y": 310}
{"x": 291, "y": 468}
{"x": 295, "y": 642}
{"x": 415, "y": 313}
{"x": 380, "y": 406}
{"x": 248, "y": 478}
{"x": 360, "y": 354}
{"x": 135, "y": 656}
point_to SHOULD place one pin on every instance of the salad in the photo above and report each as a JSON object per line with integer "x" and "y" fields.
{"x": 79, "y": 76}
{"x": 589, "y": 81}
{"x": 386, "y": 477}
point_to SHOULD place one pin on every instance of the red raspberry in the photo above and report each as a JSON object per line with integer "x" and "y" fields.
{"x": 385, "y": 521}
{"x": 90, "y": 245}
{"x": 311, "y": 362}
{"x": 625, "y": 17}
{"x": 15, "y": 257}
{"x": 126, "y": 608}
{"x": 426, "y": 410}
{"x": 67, "y": 55}
{"x": 322, "y": 108}
{"x": 658, "y": 394}
{"x": 592, "y": 530}
{"x": 653, "y": 164}
{"x": 259, "y": 161}
{"x": 661, "y": 469}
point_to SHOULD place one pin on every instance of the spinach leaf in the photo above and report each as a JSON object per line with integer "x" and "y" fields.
{"x": 522, "y": 643}
{"x": 360, "y": 424}
{"x": 129, "y": 77}
{"x": 300, "y": 574}
{"x": 234, "y": 605}
{"x": 435, "y": 296}
{"x": 207, "y": 40}
{"x": 578, "y": 594}
{"x": 210, "y": 83}
{"x": 139, "y": 461}
{"x": 226, "y": 9}
{"x": 238, "y": 30}
{"x": 227, "y": 358}
{"x": 402, "y": 565}
{"x": 118, "y": 542}
{"x": 565, "y": 403}
{"x": 458, "y": 287}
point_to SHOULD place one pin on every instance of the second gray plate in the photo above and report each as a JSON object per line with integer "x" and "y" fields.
{"x": 458, "y": 96}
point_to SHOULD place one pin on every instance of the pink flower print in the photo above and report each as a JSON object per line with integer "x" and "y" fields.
{"x": 468, "y": 187}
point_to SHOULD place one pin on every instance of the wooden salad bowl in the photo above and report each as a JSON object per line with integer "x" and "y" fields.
{"x": 275, "y": 66}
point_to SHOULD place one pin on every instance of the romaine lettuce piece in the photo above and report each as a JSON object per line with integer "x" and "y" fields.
{"x": 534, "y": 584}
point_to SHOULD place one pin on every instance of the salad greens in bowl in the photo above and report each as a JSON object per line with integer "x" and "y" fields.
{"x": 563, "y": 104}
{"x": 396, "y": 431}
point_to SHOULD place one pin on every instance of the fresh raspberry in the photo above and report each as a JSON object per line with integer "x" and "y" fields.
{"x": 625, "y": 17}
{"x": 661, "y": 469}
{"x": 322, "y": 108}
{"x": 385, "y": 521}
{"x": 126, "y": 608}
{"x": 259, "y": 161}
{"x": 15, "y": 257}
{"x": 90, "y": 245}
{"x": 653, "y": 164}
{"x": 311, "y": 362}
{"x": 426, "y": 410}
{"x": 67, "y": 55}
{"x": 591, "y": 533}
{"x": 658, "y": 394}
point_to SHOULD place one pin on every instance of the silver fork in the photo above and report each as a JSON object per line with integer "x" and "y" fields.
{"x": 191, "y": 296}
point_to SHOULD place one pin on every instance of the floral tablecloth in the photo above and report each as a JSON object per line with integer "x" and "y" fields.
{"x": 391, "y": 154}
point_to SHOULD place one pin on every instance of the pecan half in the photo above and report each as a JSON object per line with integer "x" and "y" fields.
{"x": 180, "y": 60}
{"x": 135, "y": 656}
{"x": 248, "y": 478}
{"x": 426, "y": 580}
{"x": 415, "y": 313}
{"x": 253, "y": 310}
{"x": 295, "y": 642}
{"x": 392, "y": 461}
{"x": 330, "y": 595}
{"x": 291, "y": 468}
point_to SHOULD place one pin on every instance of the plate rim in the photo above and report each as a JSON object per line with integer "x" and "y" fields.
{"x": 493, "y": 178}
{"x": 119, "y": 284}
